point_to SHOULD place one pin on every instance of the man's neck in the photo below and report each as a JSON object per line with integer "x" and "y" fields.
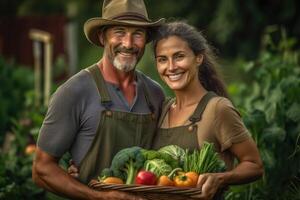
{"x": 124, "y": 80}
{"x": 113, "y": 75}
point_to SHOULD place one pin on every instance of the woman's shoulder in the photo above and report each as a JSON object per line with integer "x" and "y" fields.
{"x": 220, "y": 106}
{"x": 220, "y": 103}
{"x": 223, "y": 109}
{"x": 223, "y": 102}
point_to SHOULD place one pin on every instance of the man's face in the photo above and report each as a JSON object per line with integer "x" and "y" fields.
{"x": 124, "y": 46}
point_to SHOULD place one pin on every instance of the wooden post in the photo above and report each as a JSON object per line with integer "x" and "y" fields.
{"x": 39, "y": 36}
{"x": 37, "y": 48}
{"x": 48, "y": 72}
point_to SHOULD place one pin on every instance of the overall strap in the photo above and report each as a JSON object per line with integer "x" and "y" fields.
{"x": 141, "y": 77}
{"x": 201, "y": 106}
{"x": 165, "y": 108}
{"x": 100, "y": 82}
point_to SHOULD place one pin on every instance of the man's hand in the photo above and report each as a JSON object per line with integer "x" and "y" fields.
{"x": 113, "y": 195}
{"x": 49, "y": 175}
{"x": 73, "y": 170}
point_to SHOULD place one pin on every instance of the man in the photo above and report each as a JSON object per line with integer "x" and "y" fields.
{"x": 102, "y": 109}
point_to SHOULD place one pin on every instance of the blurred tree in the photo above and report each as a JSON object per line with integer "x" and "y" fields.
{"x": 238, "y": 26}
{"x": 235, "y": 27}
{"x": 9, "y": 7}
{"x": 45, "y": 7}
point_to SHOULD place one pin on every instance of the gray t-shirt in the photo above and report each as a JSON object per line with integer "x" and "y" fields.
{"x": 75, "y": 110}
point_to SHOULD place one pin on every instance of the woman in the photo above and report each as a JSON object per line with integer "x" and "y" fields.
{"x": 200, "y": 110}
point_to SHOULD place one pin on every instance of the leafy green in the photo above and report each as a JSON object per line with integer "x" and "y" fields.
{"x": 175, "y": 151}
{"x": 152, "y": 154}
{"x": 158, "y": 166}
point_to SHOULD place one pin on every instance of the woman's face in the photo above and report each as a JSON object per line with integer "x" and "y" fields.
{"x": 176, "y": 63}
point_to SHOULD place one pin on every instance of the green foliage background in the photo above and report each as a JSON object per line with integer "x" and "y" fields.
{"x": 271, "y": 111}
{"x": 258, "y": 47}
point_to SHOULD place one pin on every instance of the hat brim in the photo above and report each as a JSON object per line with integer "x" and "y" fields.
{"x": 93, "y": 25}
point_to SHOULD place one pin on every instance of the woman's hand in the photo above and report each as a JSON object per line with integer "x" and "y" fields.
{"x": 248, "y": 169}
{"x": 209, "y": 183}
{"x": 73, "y": 170}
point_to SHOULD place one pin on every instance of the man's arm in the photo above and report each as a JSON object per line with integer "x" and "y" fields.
{"x": 47, "y": 174}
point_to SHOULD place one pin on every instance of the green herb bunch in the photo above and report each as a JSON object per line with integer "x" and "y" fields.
{"x": 205, "y": 160}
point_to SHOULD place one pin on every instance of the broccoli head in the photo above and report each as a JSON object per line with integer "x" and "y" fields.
{"x": 106, "y": 172}
{"x": 127, "y": 162}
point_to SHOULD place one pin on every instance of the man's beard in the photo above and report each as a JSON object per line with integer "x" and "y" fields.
{"x": 124, "y": 66}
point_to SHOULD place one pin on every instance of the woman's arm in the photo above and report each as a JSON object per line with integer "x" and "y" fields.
{"x": 249, "y": 168}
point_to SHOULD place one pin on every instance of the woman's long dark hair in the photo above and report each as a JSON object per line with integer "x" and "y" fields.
{"x": 207, "y": 73}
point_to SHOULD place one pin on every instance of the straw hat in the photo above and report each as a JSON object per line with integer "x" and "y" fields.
{"x": 119, "y": 12}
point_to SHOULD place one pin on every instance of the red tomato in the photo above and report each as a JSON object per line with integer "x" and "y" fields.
{"x": 145, "y": 178}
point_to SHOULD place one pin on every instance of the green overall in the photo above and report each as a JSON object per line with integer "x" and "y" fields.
{"x": 183, "y": 136}
{"x": 116, "y": 130}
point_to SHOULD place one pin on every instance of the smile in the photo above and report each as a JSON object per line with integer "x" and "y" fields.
{"x": 175, "y": 77}
{"x": 125, "y": 54}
